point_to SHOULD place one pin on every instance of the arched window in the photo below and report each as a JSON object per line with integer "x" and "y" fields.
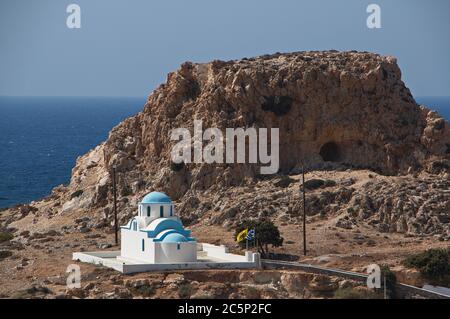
{"x": 148, "y": 211}
{"x": 143, "y": 244}
{"x": 161, "y": 211}
{"x": 178, "y": 246}
{"x": 171, "y": 210}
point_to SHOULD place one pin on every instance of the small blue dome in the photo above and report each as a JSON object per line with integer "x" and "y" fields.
{"x": 156, "y": 198}
{"x": 174, "y": 238}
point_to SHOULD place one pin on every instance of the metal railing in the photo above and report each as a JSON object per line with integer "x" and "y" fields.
{"x": 402, "y": 288}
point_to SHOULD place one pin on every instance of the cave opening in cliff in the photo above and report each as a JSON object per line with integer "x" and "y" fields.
{"x": 330, "y": 152}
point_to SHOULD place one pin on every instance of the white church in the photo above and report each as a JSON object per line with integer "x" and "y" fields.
{"x": 156, "y": 235}
{"x": 155, "y": 240}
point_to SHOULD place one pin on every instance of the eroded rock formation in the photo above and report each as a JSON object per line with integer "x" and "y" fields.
{"x": 335, "y": 111}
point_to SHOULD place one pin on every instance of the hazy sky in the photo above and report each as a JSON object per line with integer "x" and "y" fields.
{"x": 126, "y": 47}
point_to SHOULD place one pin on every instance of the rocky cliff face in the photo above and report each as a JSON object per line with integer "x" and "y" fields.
{"x": 335, "y": 111}
{"x": 340, "y": 107}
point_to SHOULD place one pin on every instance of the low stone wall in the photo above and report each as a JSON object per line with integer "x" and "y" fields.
{"x": 101, "y": 258}
{"x": 221, "y": 252}
{"x": 220, "y": 259}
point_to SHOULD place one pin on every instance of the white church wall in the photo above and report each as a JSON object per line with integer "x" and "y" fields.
{"x": 155, "y": 252}
{"x": 169, "y": 252}
{"x": 221, "y": 252}
{"x": 113, "y": 260}
{"x": 155, "y": 210}
{"x": 131, "y": 246}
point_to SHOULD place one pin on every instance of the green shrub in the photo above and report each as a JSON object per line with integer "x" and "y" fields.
{"x": 185, "y": 291}
{"x": 146, "y": 290}
{"x": 4, "y": 236}
{"x": 433, "y": 264}
{"x": 77, "y": 193}
{"x": 5, "y": 254}
{"x": 176, "y": 166}
{"x": 391, "y": 281}
{"x": 126, "y": 191}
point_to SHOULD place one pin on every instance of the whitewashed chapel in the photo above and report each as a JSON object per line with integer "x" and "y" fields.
{"x": 156, "y": 240}
{"x": 156, "y": 235}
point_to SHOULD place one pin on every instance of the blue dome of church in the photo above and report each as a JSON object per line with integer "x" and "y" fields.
{"x": 174, "y": 238}
{"x": 156, "y": 198}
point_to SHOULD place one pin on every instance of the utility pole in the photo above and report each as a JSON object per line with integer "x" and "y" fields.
{"x": 304, "y": 210}
{"x": 115, "y": 206}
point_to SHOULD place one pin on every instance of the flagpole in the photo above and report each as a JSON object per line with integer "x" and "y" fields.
{"x": 304, "y": 210}
{"x": 116, "y": 239}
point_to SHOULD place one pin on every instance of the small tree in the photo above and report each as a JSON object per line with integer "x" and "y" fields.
{"x": 266, "y": 233}
{"x": 391, "y": 281}
{"x": 433, "y": 264}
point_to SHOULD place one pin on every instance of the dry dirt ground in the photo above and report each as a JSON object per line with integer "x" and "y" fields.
{"x": 37, "y": 266}
{"x": 45, "y": 264}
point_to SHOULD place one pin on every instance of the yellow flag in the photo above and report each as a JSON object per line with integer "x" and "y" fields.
{"x": 241, "y": 236}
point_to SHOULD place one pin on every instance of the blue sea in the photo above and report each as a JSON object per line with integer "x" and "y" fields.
{"x": 41, "y": 137}
{"x": 441, "y": 104}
